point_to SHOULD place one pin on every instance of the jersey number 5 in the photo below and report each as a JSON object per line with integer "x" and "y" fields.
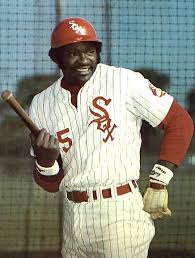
{"x": 65, "y": 140}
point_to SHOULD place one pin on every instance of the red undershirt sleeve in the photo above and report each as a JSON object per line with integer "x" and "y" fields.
{"x": 48, "y": 183}
{"x": 178, "y": 131}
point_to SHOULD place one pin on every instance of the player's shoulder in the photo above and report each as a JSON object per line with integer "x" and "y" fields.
{"x": 48, "y": 93}
{"x": 133, "y": 75}
{"x": 121, "y": 70}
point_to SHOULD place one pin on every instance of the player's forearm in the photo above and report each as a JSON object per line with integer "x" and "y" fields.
{"x": 179, "y": 129}
{"x": 48, "y": 183}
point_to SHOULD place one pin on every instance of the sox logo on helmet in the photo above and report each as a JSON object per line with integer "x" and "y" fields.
{"x": 76, "y": 27}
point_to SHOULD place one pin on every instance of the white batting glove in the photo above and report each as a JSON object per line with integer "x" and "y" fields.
{"x": 155, "y": 198}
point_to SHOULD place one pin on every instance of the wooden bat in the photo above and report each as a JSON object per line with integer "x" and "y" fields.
{"x": 14, "y": 104}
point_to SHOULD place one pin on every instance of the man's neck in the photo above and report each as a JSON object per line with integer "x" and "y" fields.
{"x": 73, "y": 88}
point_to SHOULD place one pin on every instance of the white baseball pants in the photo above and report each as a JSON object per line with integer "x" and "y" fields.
{"x": 116, "y": 227}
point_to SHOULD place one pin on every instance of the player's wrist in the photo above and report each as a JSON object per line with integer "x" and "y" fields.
{"x": 160, "y": 175}
{"x": 154, "y": 184}
{"x": 47, "y": 171}
{"x": 45, "y": 163}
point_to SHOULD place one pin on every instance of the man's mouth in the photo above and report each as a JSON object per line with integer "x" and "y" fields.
{"x": 83, "y": 70}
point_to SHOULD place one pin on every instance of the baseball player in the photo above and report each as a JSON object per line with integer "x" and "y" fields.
{"x": 89, "y": 147}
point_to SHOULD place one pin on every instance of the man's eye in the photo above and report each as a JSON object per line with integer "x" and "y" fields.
{"x": 91, "y": 51}
{"x": 73, "y": 53}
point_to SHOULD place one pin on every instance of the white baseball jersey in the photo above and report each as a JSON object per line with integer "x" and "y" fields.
{"x": 100, "y": 139}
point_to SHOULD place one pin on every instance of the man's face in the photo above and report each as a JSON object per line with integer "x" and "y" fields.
{"x": 79, "y": 61}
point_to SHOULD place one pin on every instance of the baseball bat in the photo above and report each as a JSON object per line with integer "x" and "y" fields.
{"x": 14, "y": 104}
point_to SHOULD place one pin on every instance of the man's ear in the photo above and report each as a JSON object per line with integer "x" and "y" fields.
{"x": 54, "y": 55}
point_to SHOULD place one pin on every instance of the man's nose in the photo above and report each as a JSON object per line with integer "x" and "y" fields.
{"x": 83, "y": 58}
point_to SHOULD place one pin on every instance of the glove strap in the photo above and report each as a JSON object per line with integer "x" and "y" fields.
{"x": 161, "y": 173}
{"x": 156, "y": 185}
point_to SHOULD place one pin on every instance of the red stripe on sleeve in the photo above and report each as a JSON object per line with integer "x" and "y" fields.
{"x": 178, "y": 131}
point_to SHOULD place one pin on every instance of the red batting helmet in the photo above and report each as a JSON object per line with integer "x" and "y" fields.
{"x": 73, "y": 30}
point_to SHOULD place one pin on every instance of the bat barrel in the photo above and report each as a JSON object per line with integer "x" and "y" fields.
{"x": 10, "y": 99}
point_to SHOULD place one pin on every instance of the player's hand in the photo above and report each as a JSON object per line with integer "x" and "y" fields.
{"x": 46, "y": 148}
{"x": 156, "y": 203}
